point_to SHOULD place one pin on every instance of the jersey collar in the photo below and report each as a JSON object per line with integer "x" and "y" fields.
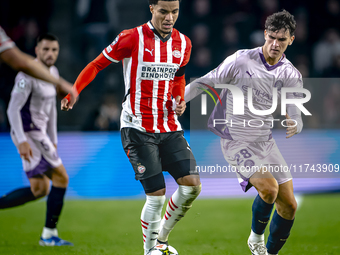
{"x": 163, "y": 39}
{"x": 270, "y": 67}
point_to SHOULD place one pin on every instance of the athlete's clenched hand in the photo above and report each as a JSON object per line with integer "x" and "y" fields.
{"x": 180, "y": 106}
{"x": 25, "y": 151}
{"x": 291, "y": 130}
{"x": 67, "y": 104}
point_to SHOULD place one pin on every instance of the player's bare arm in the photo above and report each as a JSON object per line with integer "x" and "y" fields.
{"x": 25, "y": 63}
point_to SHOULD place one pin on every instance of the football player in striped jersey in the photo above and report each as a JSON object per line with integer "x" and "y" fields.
{"x": 154, "y": 56}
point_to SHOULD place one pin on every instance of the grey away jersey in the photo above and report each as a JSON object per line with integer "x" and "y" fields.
{"x": 243, "y": 69}
{"x": 33, "y": 106}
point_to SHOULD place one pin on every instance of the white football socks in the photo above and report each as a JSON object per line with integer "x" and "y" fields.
{"x": 178, "y": 205}
{"x": 49, "y": 232}
{"x": 255, "y": 238}
{"x": 151, "y": 220}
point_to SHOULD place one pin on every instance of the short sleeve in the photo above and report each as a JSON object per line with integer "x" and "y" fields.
{"x": 121, "y": 47}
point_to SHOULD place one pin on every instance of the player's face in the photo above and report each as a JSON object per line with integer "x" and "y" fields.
{"x": 164, "y": 16}
{"x": 47, "y": 52}
{"x": 276, "y": 44}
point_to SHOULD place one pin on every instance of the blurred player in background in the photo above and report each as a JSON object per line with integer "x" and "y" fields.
{"x": 154, "y": 57}
{"x": 32, "y": 115}
{"x": 20, "y": 61}
{"x": 261, "y": 69}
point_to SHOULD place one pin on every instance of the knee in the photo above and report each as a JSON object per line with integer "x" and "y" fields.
{"x": 189, "y": 180}
{"x": 61, "y": 180}
{"x": 289, "y": 209}
{"x": 65, "y": 179}
{"x": 160, "y": 192}
{"x": 39, "y": 192}
{"x": 190, "y": 192}
{"x": 155, "y": 201}
{"x": 269, "y": 192}
{"x": 196, "y": 183}
{"x": 292, "y": 208}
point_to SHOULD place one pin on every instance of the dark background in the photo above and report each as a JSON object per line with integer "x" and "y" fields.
{"x": 216, "y": 28}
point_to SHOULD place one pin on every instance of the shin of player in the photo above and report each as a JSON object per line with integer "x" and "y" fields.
{"x": 32, "y": 114}
{"x": 179, "y": 203}
{"x": 180, "y": 165}
{"x": 154, "y": 229}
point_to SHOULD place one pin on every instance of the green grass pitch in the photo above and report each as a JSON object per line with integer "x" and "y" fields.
{"x": 212, "y": 226}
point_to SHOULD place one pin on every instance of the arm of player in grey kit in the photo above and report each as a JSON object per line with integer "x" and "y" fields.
{"x": 19, "y": 97}
{"x": 295, "y": 114}
{"x": 196, "y": 87}
{"x": 223, "y": 74}
{"x": 294, "y": 81}
{"x": 52, "y": 124}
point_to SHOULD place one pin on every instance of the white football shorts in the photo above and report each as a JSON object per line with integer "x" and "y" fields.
{"x": 45, "y": 155}
{"x": 249, "y": 157}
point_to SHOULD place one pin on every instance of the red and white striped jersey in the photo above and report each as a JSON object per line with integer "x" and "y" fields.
{"x": 149, "y": 65}
{"x": 5, "y": 42}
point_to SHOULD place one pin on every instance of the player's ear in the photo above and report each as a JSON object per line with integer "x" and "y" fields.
{"x": 151, "y": 8}
{"x": 291, "y": 40}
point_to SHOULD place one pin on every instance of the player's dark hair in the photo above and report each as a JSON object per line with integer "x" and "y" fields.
{"x": 49, "y": 37}
{"x": 151, "y": 2}
{"x": 279, "y": 20}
